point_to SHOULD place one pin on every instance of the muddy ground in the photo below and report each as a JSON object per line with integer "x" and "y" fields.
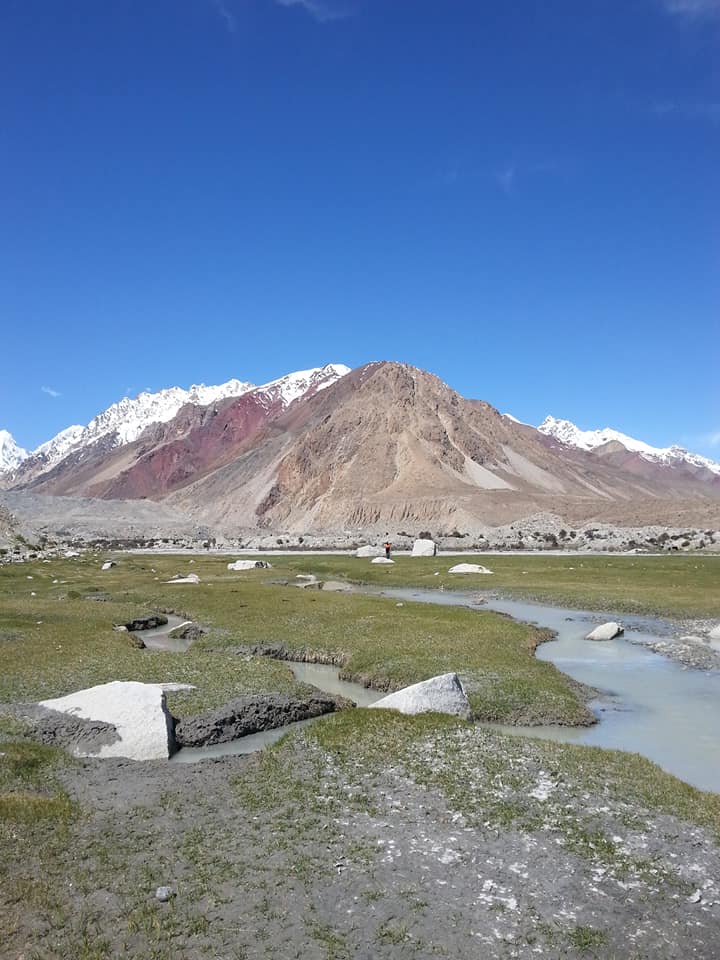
{"x": 369, "y": 843}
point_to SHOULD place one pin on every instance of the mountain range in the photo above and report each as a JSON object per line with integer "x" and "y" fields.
{"x": 331, "y": 448}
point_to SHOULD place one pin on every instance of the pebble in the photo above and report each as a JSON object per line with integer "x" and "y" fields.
{"x": 695, "y": 897}
{"x": 163, "y": 894}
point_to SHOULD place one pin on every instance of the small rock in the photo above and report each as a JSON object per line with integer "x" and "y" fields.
{"x": 695, "y": 897}
{"x": 163, "y": 894}
{"x": 606, "y": 631}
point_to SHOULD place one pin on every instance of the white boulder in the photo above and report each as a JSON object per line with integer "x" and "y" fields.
{"x": 190, "y": 578}
{"x": 108, "y": 565}
{"x": 442, "y": 694}
{"x": 606, "y": 631}
{"x": 469, "y": 568}
{"x": 137, "y": 711}
{"x": 381, "y": 560}
{"x": 424, "y": 548}
{"x": 368, "y": 551}
{"x": 715, "y": 633}
{"x": 249, "y": 565}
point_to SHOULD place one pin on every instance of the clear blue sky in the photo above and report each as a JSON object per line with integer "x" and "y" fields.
{"x": 523, "y": 198}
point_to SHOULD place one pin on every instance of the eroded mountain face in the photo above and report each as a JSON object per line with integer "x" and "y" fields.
{"x": 384, "y": 443}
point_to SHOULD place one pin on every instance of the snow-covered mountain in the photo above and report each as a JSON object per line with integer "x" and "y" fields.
{"x": 11, "y": 455}
{"x": 567, "y": 433}
{"x": 126, "y": 420}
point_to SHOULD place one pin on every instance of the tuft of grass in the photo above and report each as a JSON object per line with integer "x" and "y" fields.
{"x": 585, "y": 939}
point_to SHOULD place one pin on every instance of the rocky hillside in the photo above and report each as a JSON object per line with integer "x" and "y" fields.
{"x": 386, "y": 444}
{"x": 390, "y": 444}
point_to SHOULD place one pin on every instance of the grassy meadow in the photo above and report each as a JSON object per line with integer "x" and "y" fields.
{"x": 82, "y": 851}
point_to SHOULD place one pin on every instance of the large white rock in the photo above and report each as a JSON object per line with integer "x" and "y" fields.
{"x": 469, "y": 568}
{"x": 249, "y": 565}
{"x": 137, "y": 711}
{"x": 715, "y": 633}
{"x": 108, "y": 565}
{"x": 382, "y": 560}
{"x": 443, "y": 694}
{"x": 368, "y": 551}
{"x": 424, "y": 548}
{"x": 190, "y": 578}
{"x": 606, "y": 631}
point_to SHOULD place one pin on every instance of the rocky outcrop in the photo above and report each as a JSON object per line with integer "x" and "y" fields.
{"x": 606, "y": 631}
{"x": 442, "y": 694}
{"x": 251, "y": 714}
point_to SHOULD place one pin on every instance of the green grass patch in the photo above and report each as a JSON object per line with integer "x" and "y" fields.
{"x": 673, "y": 586}
{"x": 68, "y": 643}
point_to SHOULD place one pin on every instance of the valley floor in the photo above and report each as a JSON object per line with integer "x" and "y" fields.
{"x": 367, "y": 834}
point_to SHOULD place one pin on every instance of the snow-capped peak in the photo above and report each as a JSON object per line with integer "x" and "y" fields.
{"x": 294, "y": 385}
{"x": 125, "y": 421}
{"x": 566, "y": 432}
{"x": 128, "y": 418}
{"x": 11, "y": 455}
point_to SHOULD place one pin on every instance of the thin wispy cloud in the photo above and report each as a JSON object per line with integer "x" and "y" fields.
{"x": 449, "y": 176}
{"x": 226, "y": 15}
{"x": 711, "y": 439}
{"x": 700, "y": 110}
{"x": 322, "y": 10}
{"x": 693, "y": 8}
{"x": 50, "y": 392}
{"x": 506, "y": 177}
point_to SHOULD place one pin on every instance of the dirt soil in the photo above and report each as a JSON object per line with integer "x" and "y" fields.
{"x": 303, "y": 852}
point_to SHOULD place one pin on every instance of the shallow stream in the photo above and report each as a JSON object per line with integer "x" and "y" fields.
{"x": 649, "y": 705}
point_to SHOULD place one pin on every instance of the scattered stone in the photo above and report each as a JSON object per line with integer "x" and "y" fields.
{"x": 108, "y": 565}
{"x": 442, "y": 694}
{"x": 150, "y": 622}
{"x": 715, "y": 633}
{"x": 469, "y": 568}
{"x": 190, "y": 578}
{"x": 163, "y": 894}
{"x": 336, "y": 586}
{"x": 188, "y": 631}
{"x": 137, "y": 711}
{"x": 695, "y": 897}
{"x": 249, "y": 565}
{"x": 606, "y": 631}
{"x": 382, "y": 560}
{"x": 368, "y": 551}
{"x": 424, "y": 548}
{"x": 310, "y": 577}
{"x": 309, "y": 584}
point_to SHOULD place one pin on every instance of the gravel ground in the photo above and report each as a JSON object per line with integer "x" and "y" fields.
{"x": 466, "y": 844}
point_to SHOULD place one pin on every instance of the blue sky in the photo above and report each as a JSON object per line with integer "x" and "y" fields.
{"x": 522, "y": 198}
